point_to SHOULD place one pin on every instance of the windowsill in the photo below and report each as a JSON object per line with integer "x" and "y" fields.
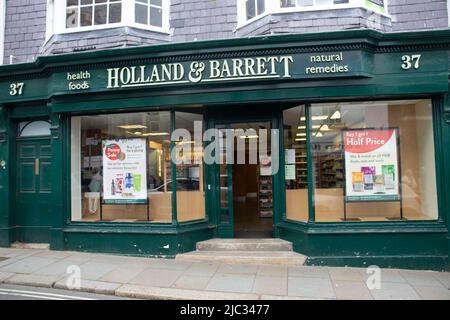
{"x": 112, "y": 26}
{"x": 307, "y": 9}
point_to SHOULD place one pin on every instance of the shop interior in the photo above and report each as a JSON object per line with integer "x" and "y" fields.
{"x": 252, "y": 185}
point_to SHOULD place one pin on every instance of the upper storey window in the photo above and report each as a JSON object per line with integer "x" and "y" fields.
{"x": 68, "y": 16}
{"x": 84, "y": 13}
{"x": 149, "y": 12}
{"x": 250, "y": 10}
{"x": 254, "y": 8}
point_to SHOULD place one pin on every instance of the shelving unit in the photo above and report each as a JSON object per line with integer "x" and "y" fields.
{"x": 265, "y": 197}
{"x": 330, "y": 168}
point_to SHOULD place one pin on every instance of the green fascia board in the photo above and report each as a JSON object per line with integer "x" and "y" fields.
{"x": 346, "y": 37}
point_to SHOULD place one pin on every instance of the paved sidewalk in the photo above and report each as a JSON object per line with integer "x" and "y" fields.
{"x": 171, "y": 279}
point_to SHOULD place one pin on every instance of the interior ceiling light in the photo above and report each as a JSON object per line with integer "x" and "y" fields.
{"x": 325, "y": 128}
{"x": 300, "y": 139}
{"x": 133, "y": 126}
{"x": 301, "y": 134}
{"x": 157, "y": 134}
{"x": 336, "y": 115}
{"x": 316, "y": 126}
{"x": 319, "y": 134}
{"x": 315, "y": 118}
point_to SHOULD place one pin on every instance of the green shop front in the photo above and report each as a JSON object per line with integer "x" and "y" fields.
{"x": 121, "y": 151}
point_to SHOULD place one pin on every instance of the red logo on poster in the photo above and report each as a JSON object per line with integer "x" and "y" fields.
{"x": 364, "y": 141}
{"x": 113, "y": 151}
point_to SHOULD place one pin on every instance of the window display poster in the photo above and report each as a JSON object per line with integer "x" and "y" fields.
{"x": 265, "y": 165}
{"x": 371, "y": 165}
{"x": 124, "y": 171}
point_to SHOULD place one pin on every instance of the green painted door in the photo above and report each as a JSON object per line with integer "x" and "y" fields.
{"x": 33, "y": 205}
{"x": 224, "y": 175}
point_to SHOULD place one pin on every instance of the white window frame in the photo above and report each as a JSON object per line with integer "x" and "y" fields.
{"x": 56, "y": 19}
{"x": 274, "y": 6}
{"x": 2, "y": 30}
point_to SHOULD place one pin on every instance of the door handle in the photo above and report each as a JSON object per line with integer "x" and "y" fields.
{"x": 36, "y": 167}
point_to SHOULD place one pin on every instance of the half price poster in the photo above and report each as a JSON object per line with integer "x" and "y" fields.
{"x": 371, "y": 165}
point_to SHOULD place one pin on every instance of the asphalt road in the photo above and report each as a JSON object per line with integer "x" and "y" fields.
{"x": 13, "y": 292}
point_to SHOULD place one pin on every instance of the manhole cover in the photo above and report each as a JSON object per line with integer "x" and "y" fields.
{"x": 2, "y": 259}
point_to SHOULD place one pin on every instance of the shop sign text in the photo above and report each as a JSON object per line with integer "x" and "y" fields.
{"x": 201, "y": 71}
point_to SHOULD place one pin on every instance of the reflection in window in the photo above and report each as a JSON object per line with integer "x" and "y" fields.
{"x": 83, "y": 13}
{"x": 374, "y": 161}
{"x": 306, "y": 3}
{"x": 189, "y": 168}
{"x": 296, "y": 169}
{"x": 149, "y": 12}
{"x": 254, "y": 8}
{"x": 121, "y": 167}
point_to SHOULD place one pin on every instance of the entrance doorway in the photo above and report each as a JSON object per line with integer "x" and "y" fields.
{"x": 246, "y": 196}
{"x": 33, "y": 205}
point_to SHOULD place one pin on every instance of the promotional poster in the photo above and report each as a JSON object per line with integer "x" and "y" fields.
{"x": 124, "y": 171}
{"x": 371, "y": 165}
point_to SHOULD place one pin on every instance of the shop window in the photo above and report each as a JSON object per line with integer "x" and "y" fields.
{"x": 189, "y": 166}
{"x": 296, "y": 169}
{"x": 85, "y": 13}
{"x": 34, "y": 128}
{"x": 374, "y": 161}
{"x": 121, "y": 168}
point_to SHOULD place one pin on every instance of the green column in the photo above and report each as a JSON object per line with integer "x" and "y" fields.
{"x": 444, "y": 197}
{"x": 6, "y": 236}
{"x": 58, "y": 173}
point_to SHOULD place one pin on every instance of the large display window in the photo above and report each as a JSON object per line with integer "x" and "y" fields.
{"x": 373, "y": 161}
{"x": 296, "y": 165}
{"x": 189, "y": 166}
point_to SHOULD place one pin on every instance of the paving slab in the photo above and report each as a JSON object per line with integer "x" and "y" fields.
{"x": 273, "y": 271}
{"x": 32, "y": 280}
{"x": 92, "y": 286}
{"x": 27, "y": 265}
{"x": 270, "y": 285}
{"x": 144, "y": 292}
{"x": 310, "y": 287}
{"x": 238, "y": 268}
{"x": 433, "y": 293}
{"x": 156, "y": 277}
{"x": 93, "y": 270}
{"x": 395, "y": 291}
{"x": 193, "y": 282}
{"x": 242, "y": 283}
{"x": 170, "y": 264}
{"x": 309, "y": 272}
{"x": 124, "y": 273}
{"x": 424, "y": 278}
{"x": 351, "y": 290}
{"x": 5, "y": 275}
{"x": 345, "y": 273}
{"x": 202, "y": 269}
{"x": 444, "y": 278}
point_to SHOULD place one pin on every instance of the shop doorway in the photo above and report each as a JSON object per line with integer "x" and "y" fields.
{"x": 33, "y": 165}
{"x": 246, "y": 195}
